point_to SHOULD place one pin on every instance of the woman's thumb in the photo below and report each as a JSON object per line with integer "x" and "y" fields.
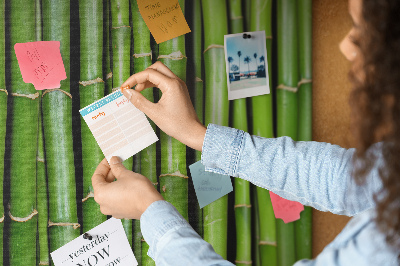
{"x": 138, "y": 100}
{"x": 116, "y": 166}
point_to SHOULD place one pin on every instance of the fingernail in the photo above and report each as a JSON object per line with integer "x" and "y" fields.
{"x": 128, "y": 93}
{"x": 115, "y": 160}
{"x": 125, "y": 88}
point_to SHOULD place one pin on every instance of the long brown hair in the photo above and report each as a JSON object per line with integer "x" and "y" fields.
{"x": 375, "y": 103}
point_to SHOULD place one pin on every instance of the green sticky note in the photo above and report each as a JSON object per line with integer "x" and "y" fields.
{"x": 209, "y": 186}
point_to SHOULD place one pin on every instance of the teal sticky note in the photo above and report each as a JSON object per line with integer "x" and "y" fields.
{"x": 209, "y": 186}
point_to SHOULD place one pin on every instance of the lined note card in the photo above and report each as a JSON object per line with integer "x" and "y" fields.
{"x": 118, "y": 126}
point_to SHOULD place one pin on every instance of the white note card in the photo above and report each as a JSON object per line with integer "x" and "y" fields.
{"x": 108, "y": 247}
{"x": 118, "y": 126}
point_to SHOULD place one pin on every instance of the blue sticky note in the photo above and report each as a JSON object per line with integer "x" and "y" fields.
{"x": 209, "y": 186}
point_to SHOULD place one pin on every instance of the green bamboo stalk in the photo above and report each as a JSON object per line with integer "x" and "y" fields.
{"x": 242, "y": 187}
{"x": 91, "y": 89}
{"x": 23, "y": 150}
{"x": 137, "y": 234}
{"x": 196, "y": 89}
{"x": 173, "y": 178}
{"x": 256, "y": 229}
{"x": 261, "y": 19}
{"x": 216, "y": 110}
{"x": 303, "y": 227}
{"x": 121, "y": 45}
{"x": 286, "y": 107}
{"x": 142, "y": 58}
{"x": 3, "y": 117}
{"x": 57, "y": 123}
{"x": 107, "y": 48}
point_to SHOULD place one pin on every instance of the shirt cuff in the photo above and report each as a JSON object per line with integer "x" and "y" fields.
{"x": 221, "y": 150}
{"x": 158, "y": 219}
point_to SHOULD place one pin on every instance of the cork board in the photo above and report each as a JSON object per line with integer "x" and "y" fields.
{"x": 331, "y": 89}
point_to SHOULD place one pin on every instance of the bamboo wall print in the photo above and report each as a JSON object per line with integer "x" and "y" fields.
{"x": 173, "y": 178}
{"x": 57, "y": 124}
{"x": 286, "y": 97}
{"x": 242, "y": 187}
{"x": 142, "y": 59}
{"x": 91, "y": 89}
{"x": 121, "y": 48}
{"x": 303, "y": 227}
{"x": 261, "y": 19}
{"x": 3, "y": 117}
{"x": 107, "y": 48}
{"x": 216, "y": 110}
{"x": 23, "y": 149}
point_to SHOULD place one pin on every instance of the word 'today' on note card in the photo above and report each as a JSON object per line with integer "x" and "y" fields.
{"x": 209, "y": 186}
{"x": 164, "y": 18}
{"x": 41, "y": 64}
{"x": 118, "y": 126}
{"x": 287, "y": 210}
{"x": 107, "y": 245}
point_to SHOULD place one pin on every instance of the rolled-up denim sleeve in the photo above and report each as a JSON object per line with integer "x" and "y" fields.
{"x": 313, "y": 173}
{"x": 172, "y": 240}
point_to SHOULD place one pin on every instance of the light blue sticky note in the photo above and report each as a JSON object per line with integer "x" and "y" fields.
{"x": 209, "y": 186}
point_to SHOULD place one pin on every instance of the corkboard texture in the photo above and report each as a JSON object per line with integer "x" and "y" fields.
{"x": 331, "y": 89}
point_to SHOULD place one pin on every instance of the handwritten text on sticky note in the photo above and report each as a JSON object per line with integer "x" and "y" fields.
{"x": 209, "y": 186}
{"x": 108, "y": 246}
{"x": 41, "y": 64}
{"x": 164, "y": 18}
{"x": 284, "y": 209}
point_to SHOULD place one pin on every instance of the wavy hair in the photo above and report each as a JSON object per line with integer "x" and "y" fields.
{"x": 375, "y": 102}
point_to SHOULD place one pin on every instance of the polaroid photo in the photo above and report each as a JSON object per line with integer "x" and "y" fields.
{"x": 246, "y": 64}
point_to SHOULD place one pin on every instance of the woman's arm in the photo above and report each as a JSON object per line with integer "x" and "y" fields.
{"x": 312, "y": 173}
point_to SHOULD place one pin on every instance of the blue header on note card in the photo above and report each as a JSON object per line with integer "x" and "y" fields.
{"x": 94, "y": 106}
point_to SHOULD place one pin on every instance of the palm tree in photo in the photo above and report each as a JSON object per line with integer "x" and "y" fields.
{"x": 230, "y": 60}
{"x": 239, "y": 54}
{"x": 262, "y": 59}
{"x": 247, "y": 60}
{"x": 255, "y": 60}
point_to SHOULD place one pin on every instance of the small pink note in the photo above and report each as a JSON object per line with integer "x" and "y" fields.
{"x": 41, "y": 64}
{"x": 284, "y": 209}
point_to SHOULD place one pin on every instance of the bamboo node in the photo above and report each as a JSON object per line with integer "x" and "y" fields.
{"x": 242, "y": 205}
{"x": 115, "y": 89}
{"x": 155, "y": 183}
{"x": 4, "y": 91}
{"x": 268, "y": 37}
{"x": 269, "y": 243}
{"x": 90, "y": 195}
{"x": 177, "y": 173}
{"x": 74, "y": 225}
{"x": 198, "y": 79}
{"x": 30, "y": 96}
{"x": 244, "y": 262}
{"x": 23, "y": 219}
{"x": 213, "y": 222}
{"x": 143, "y": 55}
{"x": 123, "y": 26}
{"x": 109, "y": 75}
{"x": 91, "y": 82}
{"x": 304, "y": 81}
{"x": 143, "y": 240}
{"x": 44, "y": 263}
{"x": 39, "y": 159}
{"x": 238, "y": 17}
{"x": 50, "y": 90}
{"x": 287, "y": 88}
{"x": 164, "y": 188}
{"x": 2, "y": 219}
{"x": 211, "y": 46}
{"x": 174, "y": 56}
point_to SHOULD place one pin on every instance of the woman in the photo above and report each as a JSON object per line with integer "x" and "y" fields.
{"x": 363, "y": 183}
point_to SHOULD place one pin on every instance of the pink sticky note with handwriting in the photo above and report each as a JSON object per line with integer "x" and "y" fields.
{"x": 284, "y": 209}
{"x": 41, "y": 64}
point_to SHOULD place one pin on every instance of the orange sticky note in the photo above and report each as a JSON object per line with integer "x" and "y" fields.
{"x": 41, "y": 64}
{"x": 288, "y": 211}
{"x": 164, "y": 18}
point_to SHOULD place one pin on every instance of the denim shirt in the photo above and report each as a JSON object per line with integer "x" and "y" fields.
{"x": 314, "y": 174}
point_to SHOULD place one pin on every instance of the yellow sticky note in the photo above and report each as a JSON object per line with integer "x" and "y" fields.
{"x": 164, "y": 18}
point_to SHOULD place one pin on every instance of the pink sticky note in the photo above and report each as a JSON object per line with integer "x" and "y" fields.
{"x": 284, "y": 209}
{"x": 41, "y": 64}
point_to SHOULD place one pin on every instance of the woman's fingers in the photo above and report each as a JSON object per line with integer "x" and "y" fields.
{"x": 160, "y": 67}
{"x": 159, "y": 80}
{"x": 100, "y": 174}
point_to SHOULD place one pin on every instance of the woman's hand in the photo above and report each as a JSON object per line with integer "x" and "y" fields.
{"x": 174, "y": 113}
{"x": 128, "y": 196}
